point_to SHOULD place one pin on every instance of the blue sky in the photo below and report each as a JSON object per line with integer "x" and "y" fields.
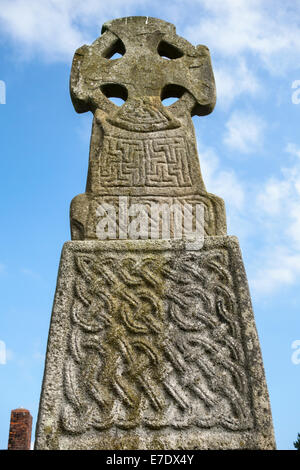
{"x": 249, "y": 150}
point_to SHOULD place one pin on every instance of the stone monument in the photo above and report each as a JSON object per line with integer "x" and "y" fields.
{"x": 152, "y": 343}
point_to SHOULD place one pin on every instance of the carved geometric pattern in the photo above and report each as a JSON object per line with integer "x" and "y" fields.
{"x": 158, "y": 162}
{"x": 137, "y": 116}
{"x": 156, "y": 341}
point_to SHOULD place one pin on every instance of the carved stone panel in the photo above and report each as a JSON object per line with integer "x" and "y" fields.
{"x": 153, "y": 346}
{"x": 142, "y": 148}
{"x": 159, "y": 161}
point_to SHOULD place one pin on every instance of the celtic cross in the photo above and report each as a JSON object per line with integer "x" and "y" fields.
{"x": 142, "y": 149}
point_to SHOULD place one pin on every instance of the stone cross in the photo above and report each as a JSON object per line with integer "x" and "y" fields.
{"x": 152, "y": 344}
{"x": 143, "y": 149}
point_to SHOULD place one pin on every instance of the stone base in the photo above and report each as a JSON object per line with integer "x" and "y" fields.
{"x": 152, "y": 346}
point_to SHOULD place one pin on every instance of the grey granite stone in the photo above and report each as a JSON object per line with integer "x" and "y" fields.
{"x": 143, "y": 149}
{"x": 153, "y": 346}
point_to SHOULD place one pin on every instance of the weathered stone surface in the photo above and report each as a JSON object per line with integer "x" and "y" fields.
{"x": 143, "y": 149}
{"x": 152, "y": 346}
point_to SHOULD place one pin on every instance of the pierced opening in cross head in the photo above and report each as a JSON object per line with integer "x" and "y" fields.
{"x": 115, "y": 92}
{"x": 168, "y": 51}
{"x": 171, "y": 93}
{"x": 115, "y": 51}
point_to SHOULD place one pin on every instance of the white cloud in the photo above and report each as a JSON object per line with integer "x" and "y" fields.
{"x": 231, "y": 85}
{"x": 41, "y": 26}
{"x": 273, "y": 196}
{"x": 278, "y": 204}
{"x": 281, "y": 267}
{"x": 223, "y": 183}
{"x": 246, "y": 38}
{"x": 293, "y": 149}
{"x": 273, "y": 217}
{"x": 244, "y": 131}
{"x": 230, "y": 28}
{"x": 268, "y": 30}
{"x": 280, "y": 198}
{"x": 55, "y": 28}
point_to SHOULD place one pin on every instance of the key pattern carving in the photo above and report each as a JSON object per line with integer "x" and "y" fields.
{"x": 158, "y": 162}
